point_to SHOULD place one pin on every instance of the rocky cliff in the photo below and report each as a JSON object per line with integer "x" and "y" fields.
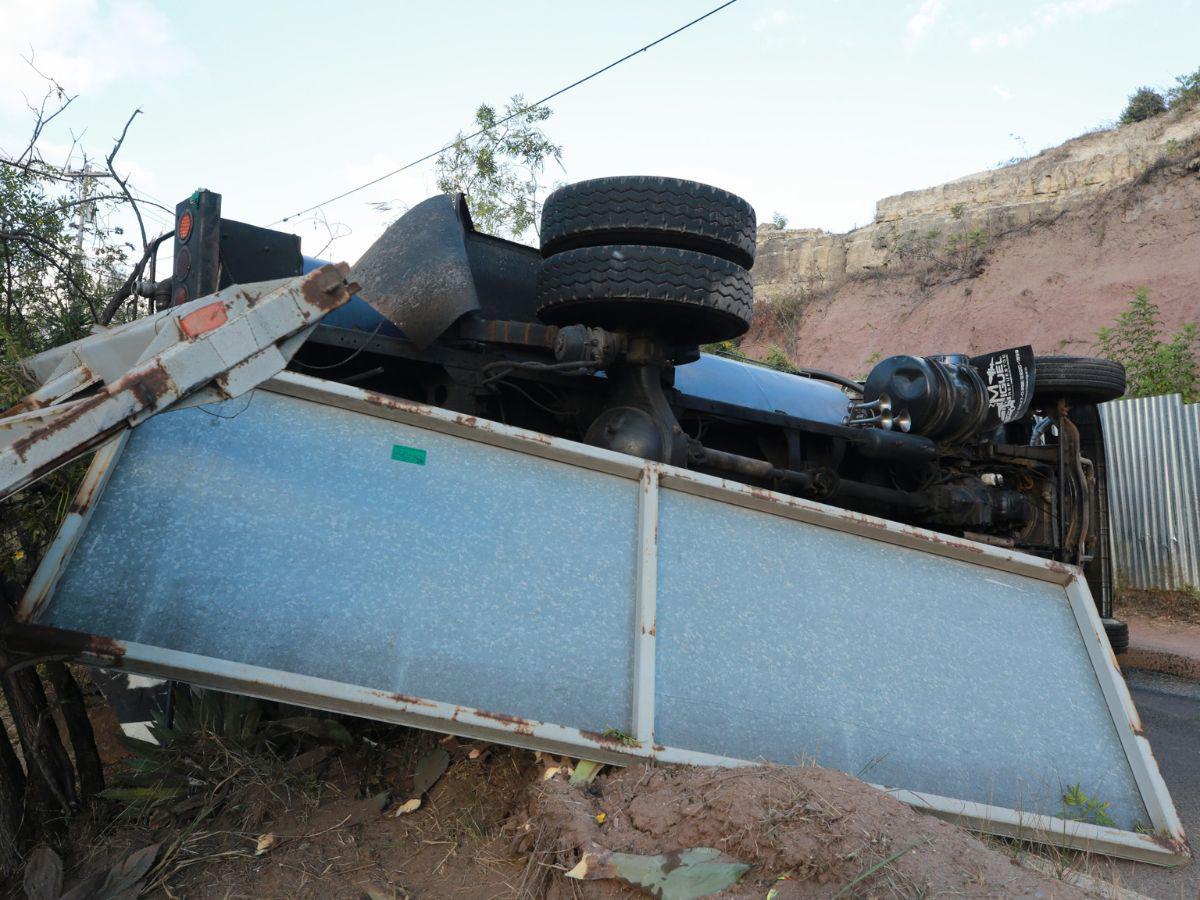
{"x": 1043, "y": 251}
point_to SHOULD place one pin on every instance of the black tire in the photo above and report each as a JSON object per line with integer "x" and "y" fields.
{"x": 1081, "y": 377}
{"x": 1118, "y": 634}
{"x": 641, "y": 209}
{"x": 680, "y": 295}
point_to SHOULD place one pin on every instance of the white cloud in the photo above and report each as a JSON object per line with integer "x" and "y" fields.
{"x": 774, "y": 17}
{"x": 84, "y": 45}
{"x": 1042, "y": 19}
{"x": 926, "y": 16}
{"x": 1001, "y": 92}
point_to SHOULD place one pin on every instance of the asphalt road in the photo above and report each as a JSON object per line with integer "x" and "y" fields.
{"x": 1170, "y": 711}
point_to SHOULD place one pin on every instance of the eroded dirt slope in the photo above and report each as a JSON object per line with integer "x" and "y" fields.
{"x": 1052, "y": 285}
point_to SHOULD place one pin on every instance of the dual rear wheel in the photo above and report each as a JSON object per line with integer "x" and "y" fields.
{"x": 643, "y": 253}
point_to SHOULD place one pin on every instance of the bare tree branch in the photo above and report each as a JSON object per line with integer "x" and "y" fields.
{"x": 123, "y": 183}
{"x": 43, "y": 169}
{"x": 125, "y": 291}
{"x": 41, "y": 120}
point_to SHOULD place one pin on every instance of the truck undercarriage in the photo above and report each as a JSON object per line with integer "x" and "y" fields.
{"x": 1003, "y": 449}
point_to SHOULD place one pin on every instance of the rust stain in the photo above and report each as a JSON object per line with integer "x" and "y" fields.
{"x": 407, "y": 699}
{"x": 1177, "y": 845}
{"x": 934, "y": 538}
{"x": 326, "y": 288}
{"x": 654, "y": 626}
{"x": 515, "y": 723}
{"x": 502, "y": 717}
{"x": 86, "y": 495}
{"x": 29, "y": 405}
{"x": 41, "y": 639}
{"x": 147, "y": 386}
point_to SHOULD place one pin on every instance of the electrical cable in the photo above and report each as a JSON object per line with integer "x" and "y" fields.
{"x": 342, "y": 362}
{"x": 474, "y": 134}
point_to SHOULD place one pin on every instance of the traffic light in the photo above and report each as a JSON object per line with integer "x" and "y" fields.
{"x": 197, "y": 266}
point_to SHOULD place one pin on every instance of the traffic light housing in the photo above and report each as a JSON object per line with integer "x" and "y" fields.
{"x": 212, "y": 253}
{"x": 197, "y": 267}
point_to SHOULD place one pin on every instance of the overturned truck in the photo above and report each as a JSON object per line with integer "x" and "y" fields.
{"x": 505, "y": 492}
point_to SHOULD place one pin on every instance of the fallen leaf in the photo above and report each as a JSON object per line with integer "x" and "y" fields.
{"x": 681, "y": 875}
{"x": 265, "y": 842}
{"x": 407, "y": 807}
{"x": 550, "y": 773}
{"x": 43, "y": 874}
{"x": 432, "y": 766}
{"x": 122, "y": 882}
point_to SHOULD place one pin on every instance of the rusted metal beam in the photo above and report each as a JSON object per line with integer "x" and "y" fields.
{"x": 213, "y": 348}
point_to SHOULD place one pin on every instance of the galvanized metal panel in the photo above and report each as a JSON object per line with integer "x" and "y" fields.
{"x": 283, "y": 533}
{"x": 898, "y": 666}
{"x": 289, "y": 559}
{"x": 1153, "y": 448}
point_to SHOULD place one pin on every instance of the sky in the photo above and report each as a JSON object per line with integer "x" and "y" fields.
{"x": 812, "y": 109}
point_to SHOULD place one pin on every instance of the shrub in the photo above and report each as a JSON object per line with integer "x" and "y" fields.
{"x": 1143, "y": 103}
{"x": 1154, "y": 363}
{"x": 779, "y": 220}
{"x": 777, "y": 359}
{"x": 1186, "y": 91}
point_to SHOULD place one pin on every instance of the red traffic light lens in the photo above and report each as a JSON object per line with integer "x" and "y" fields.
{"x": 183, "y": 228}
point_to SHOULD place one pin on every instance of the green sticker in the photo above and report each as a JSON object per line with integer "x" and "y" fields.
{"x": 413, "y": 455}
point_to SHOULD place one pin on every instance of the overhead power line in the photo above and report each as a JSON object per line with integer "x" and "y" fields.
{"x": 544, "y": 100}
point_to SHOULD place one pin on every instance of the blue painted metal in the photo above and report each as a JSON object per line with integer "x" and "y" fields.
{"x": 758, "y": 387}
{"x": 356, "y": 315}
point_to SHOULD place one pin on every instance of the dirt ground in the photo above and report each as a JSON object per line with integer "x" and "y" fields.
{"x": 320, "y": 815}
{"x": 1170, "y": 606}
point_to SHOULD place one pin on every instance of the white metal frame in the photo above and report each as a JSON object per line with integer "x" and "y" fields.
{"x": 210, "y": 349}
{"x": 1165, "y": 846}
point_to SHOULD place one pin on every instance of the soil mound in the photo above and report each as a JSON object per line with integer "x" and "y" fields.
{"x": 805, "y": 831}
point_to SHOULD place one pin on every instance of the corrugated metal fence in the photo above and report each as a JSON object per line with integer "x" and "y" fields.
{"x": 1153, "y": 448}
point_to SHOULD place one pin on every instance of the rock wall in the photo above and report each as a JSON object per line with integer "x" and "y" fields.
{"x": 1052, "y": 285}
{"x": 944, "y": 223}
